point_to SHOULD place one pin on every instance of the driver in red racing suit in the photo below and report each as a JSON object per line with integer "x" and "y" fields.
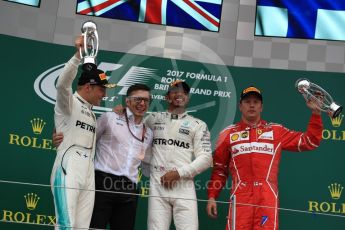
{"x": 251, "y": 151}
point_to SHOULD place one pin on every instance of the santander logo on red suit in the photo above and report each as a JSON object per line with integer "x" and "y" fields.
{"x": 253, "y": 147}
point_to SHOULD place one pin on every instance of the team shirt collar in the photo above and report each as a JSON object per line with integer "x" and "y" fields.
{"x": 130, "y": 116}
{"x": 177, "y": 116}
{"x": 244, "y": 125}
{"x": 82, "y": 100}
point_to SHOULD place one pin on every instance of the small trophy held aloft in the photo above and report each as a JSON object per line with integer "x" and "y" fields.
{"x": 311, "y": 91}
{"x": 89, "y": 52}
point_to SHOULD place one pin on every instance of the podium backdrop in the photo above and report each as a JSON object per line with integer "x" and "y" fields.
{"x": 310, "y": 183}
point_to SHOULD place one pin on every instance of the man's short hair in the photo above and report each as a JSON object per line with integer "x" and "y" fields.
{"x": 136, "y": 87}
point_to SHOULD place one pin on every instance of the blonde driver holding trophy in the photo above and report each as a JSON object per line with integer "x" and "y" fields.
{"x": 72, "y": 177}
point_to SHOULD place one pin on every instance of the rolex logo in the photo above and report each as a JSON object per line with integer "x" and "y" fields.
{"x": 335, "y": 189}
{"x": 336, "y": 122}
{"x": 31, "y": 201}
{"x": 37, "y": 125}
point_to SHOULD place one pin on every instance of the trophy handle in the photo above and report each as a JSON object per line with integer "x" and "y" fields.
{"x": 81, "y": 49}
{"x": 96, "y": 43}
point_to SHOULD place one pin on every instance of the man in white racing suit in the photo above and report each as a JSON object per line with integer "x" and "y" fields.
{"x": 181, "y": 149}
{"x": 72, "y": 178}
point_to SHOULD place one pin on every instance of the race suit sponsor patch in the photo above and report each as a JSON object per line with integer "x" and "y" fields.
{"x": 253, "y": 147}
{"x": 264, "y": 220}
{"x": 239, "y": 136}
{"x": 267, "y": 135}
{"x": 161, "y": 141}
{"x": 156, "y": 127}
{"x": 184, "y": 131}
{"x": 85, "y": 126}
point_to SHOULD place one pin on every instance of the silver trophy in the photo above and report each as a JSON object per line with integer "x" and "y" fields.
{"x": 89, "y": 52}
{"x": 312, "y": 91}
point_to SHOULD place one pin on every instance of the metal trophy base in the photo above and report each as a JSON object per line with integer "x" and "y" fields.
{"x": 89, "y": 67}
{"x": 336, "y": 109}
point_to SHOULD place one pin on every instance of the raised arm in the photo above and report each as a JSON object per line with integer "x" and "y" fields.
{"x": 65, "y": 80}
{"x": 311, "y": 138}
{"x": 303, "y": 141}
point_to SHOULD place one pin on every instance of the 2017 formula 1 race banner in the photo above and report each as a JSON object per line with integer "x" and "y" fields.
{"x": 310, "y": 183}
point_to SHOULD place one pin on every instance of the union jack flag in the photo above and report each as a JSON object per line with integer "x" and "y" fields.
{"x": 195, "y": 14}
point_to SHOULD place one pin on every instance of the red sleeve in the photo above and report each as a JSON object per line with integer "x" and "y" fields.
{"x": 221, "y": 160}
{"x": 299, "y": 141}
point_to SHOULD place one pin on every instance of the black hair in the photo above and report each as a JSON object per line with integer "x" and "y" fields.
{"x": 179, "y": 84}
{"x": 136, "y": 87}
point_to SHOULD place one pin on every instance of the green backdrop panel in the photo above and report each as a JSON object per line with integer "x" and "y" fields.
{"x": 308, "y": 181}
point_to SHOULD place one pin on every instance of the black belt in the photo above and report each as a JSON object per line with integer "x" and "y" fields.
{"x": 113, "y": 176}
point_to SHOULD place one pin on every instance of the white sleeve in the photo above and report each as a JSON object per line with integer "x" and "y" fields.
{"x": 102, "y": 123}
{"x": 146, "y": 162}
{"x": 64, "y": 97}
{"x": 150, "y": 119}
{"x": 202, "y": 152}
{"x": 148, "y": 154}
